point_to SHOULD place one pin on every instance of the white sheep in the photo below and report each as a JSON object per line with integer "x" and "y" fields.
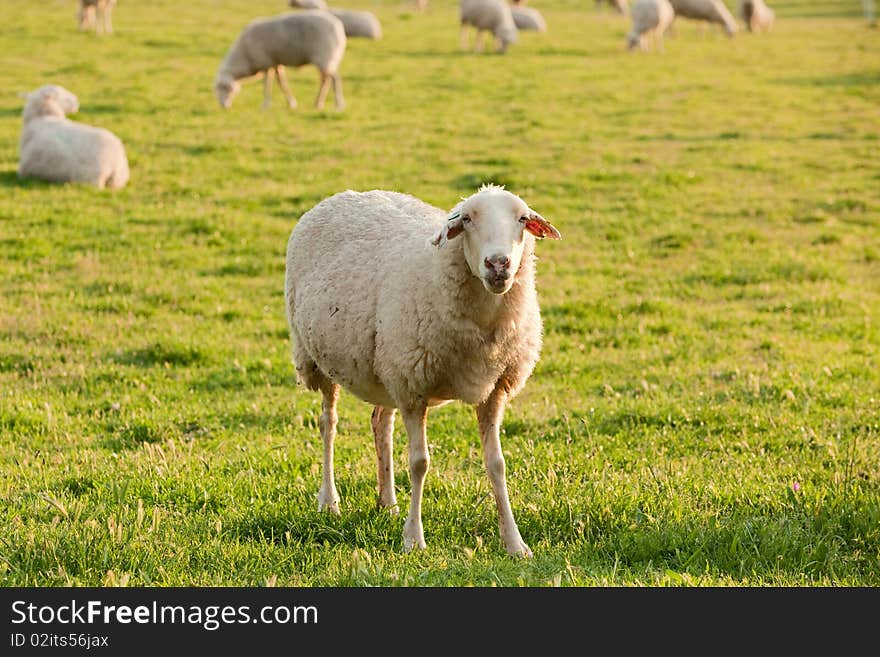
{"x": 649, "y": 18}
{"x": 409, "y": 307}
{"x": 265, "y": 45}
{"x": 487, "y": 16}
{"x": 359, "y": 23}
{"x": 528, "y": 18}
{"x": 621, "y": 6}
{"x": 54, "y": 148}
{"x": 710, "y": 11}
{"x": 757, "y": 16}
{"x": 308, "y": 4}
{"x": 96, "y": 15}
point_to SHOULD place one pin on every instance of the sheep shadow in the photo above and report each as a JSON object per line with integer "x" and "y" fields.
{"x": 855, "y": 79}
{"x": 10, "y": 178}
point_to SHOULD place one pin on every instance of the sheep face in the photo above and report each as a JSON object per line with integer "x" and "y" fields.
{"x": 506, "y": 36}
{"x": 494, "y": 225}
{"x": 53, "y": 93}
{"x": 226, "y": 90}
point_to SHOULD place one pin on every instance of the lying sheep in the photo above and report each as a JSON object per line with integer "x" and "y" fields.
{"x": 710, "y": 11}
{"x": 649, "y": 17}
{"x": 409, "y": 307}
{"x": 95, "y": 14}
{"x": 757, "y": 16}
{"x": 528, "y": 18}
{"x": 54, "y": 148}
{"x": 265, "y": 45}
{"x": 359, "y": 23}
{"x": 308, "y": 4}
{"x": 621, "y": 6}
{"x": 490, "y": 16}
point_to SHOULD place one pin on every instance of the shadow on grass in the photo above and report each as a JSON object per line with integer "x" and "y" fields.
{"x": 855, "y": 79}
{"x": 10, "y": 178}
{"x": 159, "y": 354}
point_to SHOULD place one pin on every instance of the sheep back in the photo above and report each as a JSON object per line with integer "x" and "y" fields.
{"x": 359, "y": 23}
{"x": 491, "y": 15}
{"x": 713, "y": 11}
{"x": 528, "y": 18}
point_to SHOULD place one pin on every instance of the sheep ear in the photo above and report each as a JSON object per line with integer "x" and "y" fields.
{"x": 541, "y": 228}
{"x": 453, "y": 228}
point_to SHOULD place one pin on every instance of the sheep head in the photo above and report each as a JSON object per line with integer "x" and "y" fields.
{"x": 50, "y": 100}
{"x": 494, "y": 225}
{"x": 226, "y": 89}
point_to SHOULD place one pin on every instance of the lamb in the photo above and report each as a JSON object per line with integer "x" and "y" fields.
{"x": 95, "y": 14}
{"x": 308, "y": 4}
{"x": 621, "y": 6}
{"x": 490, "y": 16}
{"x": 757, "y": 16}
{"x": 56, "y": 149}
{"x": 649, "y": 17}
{"x": 528, "y": 18}
{"x": 312, "y": 36}
{"x": 359, "y": 23}
{"x": 409, "y": 307}
{"x": 711, "y": 11}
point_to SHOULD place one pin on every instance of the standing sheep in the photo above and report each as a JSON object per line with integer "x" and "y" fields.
{"x": 95, "y": 14}
{"x": 359, "y": 23}
{"x": 649, "y": 17}
{"x": 265, "y": 45}
{"x": 409, "y": 307}
{"x": 757, "y": 16}
{"x": 528, "y": 18}
{"x": 710, "y": 11}
{"x": 56, "y": 149}
{"x": 490, "y": 16}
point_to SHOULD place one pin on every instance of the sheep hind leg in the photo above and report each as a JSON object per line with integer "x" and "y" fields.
{"x": 322, "y": 90}
{"x": 489, "y": 415}
{"x": 328, "y": 498}
{"x": 419, "y": 461}
{"x": 382, "y": 422}
{"x": 337, "y": 91}
{"x": 281, "y": 76}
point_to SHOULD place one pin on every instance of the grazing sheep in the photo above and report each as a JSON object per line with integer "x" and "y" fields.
{"x": 621, "y": 6}
{"x": 312, "y": 36}
{"x": 649, "y": 17}
{"x": 710, "y": 11}
{"x": 490, "y": 16}
{"x": 528, "y": 18}
{"x": 95, "y": 14}
{"x": 56, "y": 149}
{"x": 757, "y": 16}
{"x": 308, "y": 4}
{"x": 409, "y": 307}
{"x": 359, "y": 23}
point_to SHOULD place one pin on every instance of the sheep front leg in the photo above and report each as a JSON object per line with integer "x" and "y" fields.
{"x": 322, "y": 90}
{"x": 267, "y": 88}
{"x": 328, "y": 498}
{"x": 337, "y": 91}
{"x": 382, "y": 422}
{"x": 464, "y": 36}
{"x": 489, "y": 415}
{"x": 419, "y": 460}
{"x": 281, "y": 75}
{"x": 108, "y": 23}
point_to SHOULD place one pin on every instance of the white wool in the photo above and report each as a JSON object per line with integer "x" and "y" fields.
{"x": 54, "y": 148}
{"x": 408, "y": 306}
{"x": 711, "y": 11}
{"x": 528, "y": 18}
{"x": 96, "y": 15}
{"x": 313, "y": 36}
{"x": 359, "y": 23}
{"x": 308, "y": 4}
{"x": 650, "y": 18}
{"x": 492, "y": 16}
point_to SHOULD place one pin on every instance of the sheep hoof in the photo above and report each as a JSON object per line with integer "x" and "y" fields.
{"x": 518, "y": 548}
{"x": 328, "y": 502}
{"x": 413, "y": 537}
{"x": 409, "y": 544}
{"x": 391, "y": 507}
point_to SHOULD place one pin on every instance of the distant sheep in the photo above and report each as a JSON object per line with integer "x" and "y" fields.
{"x": 528, "y": 18}
{"x": 621, "y": 6}
{"x": 410, "y": 307}
{"x": 95, "y": 15}
{"x": 308, "y": 4}
{"x": 710, "y": 11}
{"x": 265, "y": 45}
{"x": 757, "y": 16}
{"x": 487, "y": 16}
{"x": 359, "y": 23}
{"x": 649, "y": 18}
{"x": 54, "y": 148}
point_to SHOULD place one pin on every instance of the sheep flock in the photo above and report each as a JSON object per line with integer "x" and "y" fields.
{"x": 470, "y": 330}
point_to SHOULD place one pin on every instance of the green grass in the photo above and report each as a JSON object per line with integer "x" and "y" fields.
{"x": 712, "y": 314}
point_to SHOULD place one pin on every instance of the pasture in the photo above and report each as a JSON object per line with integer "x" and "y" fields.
{"x": 706, "y": 411}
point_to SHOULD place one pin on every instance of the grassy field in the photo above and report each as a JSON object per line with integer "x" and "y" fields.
{"x": 706, "y": 411}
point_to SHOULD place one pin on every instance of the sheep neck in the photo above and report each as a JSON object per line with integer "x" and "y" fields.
{"x": 41, "y": 108}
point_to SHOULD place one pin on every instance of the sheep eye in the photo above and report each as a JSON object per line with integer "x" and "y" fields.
{"x": 466, "y": 219}
{"x": 523, "y": 219}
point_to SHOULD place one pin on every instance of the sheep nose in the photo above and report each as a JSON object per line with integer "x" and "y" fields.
{"x": 498, "y": 262}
